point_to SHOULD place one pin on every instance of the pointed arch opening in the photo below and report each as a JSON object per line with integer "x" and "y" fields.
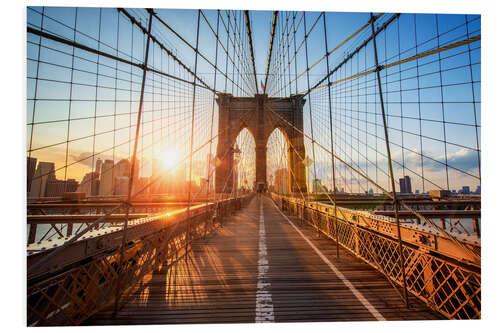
{"x": 244, "y": 167}
{"x": 278, "y": 174}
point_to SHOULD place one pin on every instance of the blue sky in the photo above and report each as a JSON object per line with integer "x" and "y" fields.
{"x": 406, "y": 119}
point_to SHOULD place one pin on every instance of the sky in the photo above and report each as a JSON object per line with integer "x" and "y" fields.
{"x": 73, "y": 118}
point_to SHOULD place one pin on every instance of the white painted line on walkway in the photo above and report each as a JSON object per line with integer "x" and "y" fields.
{"x": 264, "y": 310}
{"x": 337, "y": 272}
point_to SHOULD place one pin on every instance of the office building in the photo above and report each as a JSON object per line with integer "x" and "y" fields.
{"x": 90, "y": 184}
{"x": 465, "y": 190}
{"x": 405, "y": 185}
{"x": 121, "y": 185}
{"x": 122, "y": 168}
{"x": 107, "y": 178}
{"x": 44, "y": 173}
{"x": 98, "y": 167}
{"x": 56, "y": 187}
{"x": 31, "y": 168}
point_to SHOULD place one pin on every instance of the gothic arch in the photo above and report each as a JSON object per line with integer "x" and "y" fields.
{"x": 261, "y": 115}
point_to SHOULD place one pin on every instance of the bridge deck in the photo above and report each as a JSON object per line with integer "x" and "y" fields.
{"x": 243, "y": 275}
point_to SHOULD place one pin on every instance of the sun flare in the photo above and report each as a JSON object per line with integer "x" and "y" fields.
{"x": 170, "y": 158}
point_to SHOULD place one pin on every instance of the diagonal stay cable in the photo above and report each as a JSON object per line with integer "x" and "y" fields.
{"x": 249, "y": 32}
{"x": 271, "y": 42}
{"x": 389, "y": 194}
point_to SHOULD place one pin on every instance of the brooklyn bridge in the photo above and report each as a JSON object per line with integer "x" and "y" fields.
{"x": 218, "y": 166}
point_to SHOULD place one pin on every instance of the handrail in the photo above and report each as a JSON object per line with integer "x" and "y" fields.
{"x": 92, "y": 264}
{"x": 447, "y": 282}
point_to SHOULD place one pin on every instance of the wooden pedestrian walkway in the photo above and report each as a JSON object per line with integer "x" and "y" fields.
{"x": 265, "y": 267}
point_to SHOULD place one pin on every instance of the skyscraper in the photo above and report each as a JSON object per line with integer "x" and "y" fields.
{"x": 90, "y": 184}
{"x": 405, "y": 185}
{"x": 402, "y": 185}
{"x": 121, "y": 185}
{"x": 98, "y": 167}
{"x": 31, "y": 166}
{"x": 408, "y": 184}
{"x": 44, "y": 173}
{"x": 122, "y": 168}
{"x": 106, "y": 186}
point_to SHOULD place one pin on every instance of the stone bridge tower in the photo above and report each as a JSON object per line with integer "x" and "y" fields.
{"x": 260, "y": 115}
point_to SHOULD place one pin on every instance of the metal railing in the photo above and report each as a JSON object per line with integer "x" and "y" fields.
{"x": 446, "y": 277}
{"x": 82, "y": 279}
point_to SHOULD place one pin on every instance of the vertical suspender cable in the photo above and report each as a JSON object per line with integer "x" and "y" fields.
{"x": 132, "y": 167}
{"x": 393, "y": 184}
{"x": 188, "y": 232}
{"x": 209, "y": 160}
{"x": 331, "y": 140}
{"x": 309, "y": 100}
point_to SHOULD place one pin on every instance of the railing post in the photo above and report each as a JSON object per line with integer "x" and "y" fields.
{"x": 393, "y": 184}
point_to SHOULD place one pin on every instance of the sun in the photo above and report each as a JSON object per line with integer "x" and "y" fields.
{"x": 170, "y": 158}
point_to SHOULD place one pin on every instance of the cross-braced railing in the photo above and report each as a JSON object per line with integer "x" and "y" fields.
{"x": 78, "y": 283}
{"x": 446, "y": 277}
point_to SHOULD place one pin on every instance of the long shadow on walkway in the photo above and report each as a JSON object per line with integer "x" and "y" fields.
{"x": 217, "y": 281}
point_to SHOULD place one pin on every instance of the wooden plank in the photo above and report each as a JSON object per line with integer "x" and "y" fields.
{"x": 217, "y": 281}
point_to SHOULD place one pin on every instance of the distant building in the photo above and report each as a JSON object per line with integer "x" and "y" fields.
{"x": 417, "y": 191}
{"x": 141, "y": 185}
{"x": 121, "y": 185}
{"x": 370, "y": 191}
{"x": 71, "y": 185}
{"x": 465, "y": 190}
{"x": 317, "y": 187}
{"x": 159, "y": 176}
{"x": 405, "y": 185}
{"x": 106, "y": 185}
{"x": 98, "y": 167}
{"x": 90, "y": 184}
{"x": 478, "y": 190}
{"x": 45, "y": 172}
{"x": 55, "y": 187}
{"x": 31, "y": 168}
{"x": 122, "y": 168}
